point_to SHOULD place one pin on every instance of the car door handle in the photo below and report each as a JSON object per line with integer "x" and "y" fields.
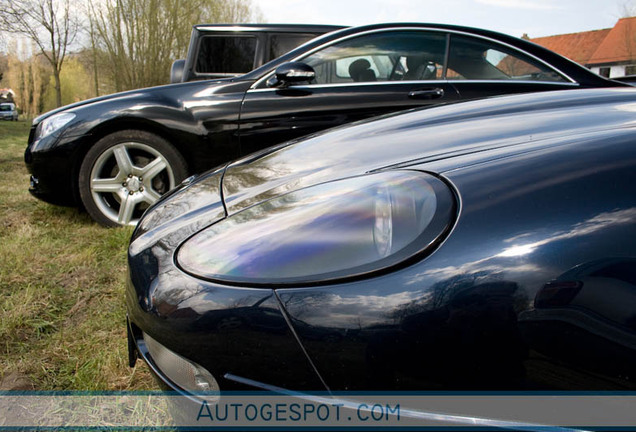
{"x": 434, "y": 93}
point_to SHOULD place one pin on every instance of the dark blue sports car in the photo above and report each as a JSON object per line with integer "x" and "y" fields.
{"x": 485, "y": 245}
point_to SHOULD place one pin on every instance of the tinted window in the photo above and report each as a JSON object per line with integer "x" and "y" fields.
{"x": 280, "y": 44}
{"x": 478, "y": 59}
{"x": 387, "y": 56}
{"x": 226, "y": 54}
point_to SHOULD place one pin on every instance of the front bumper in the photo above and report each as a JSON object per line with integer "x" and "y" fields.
{"x": 234, "y": 344}
{"x": 53, "y": 164}
{"x": 52, "y": 191}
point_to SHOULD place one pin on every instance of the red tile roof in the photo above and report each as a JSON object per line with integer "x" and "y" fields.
{"x": 613, "y": 45}
{"x": 619, "y": 45}
{"x": 579, "y": 47}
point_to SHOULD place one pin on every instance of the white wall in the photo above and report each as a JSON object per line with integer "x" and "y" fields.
{"x": 615, "y": 71}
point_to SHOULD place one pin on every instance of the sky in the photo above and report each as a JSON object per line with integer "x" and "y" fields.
{"x": 514, "y": 17}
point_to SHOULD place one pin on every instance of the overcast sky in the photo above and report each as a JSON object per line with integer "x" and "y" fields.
{"x": 515, "y": 17}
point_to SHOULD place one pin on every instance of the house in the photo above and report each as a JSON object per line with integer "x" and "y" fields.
{"x": 608, "y": 52}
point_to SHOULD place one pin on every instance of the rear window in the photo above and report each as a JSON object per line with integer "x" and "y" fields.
{"x": 477, "y": 59}
{"x": 226, "y": 54}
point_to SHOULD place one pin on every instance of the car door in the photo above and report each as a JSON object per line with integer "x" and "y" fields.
{"x": 357, "y": 77}
{"x": 479, "y": 67}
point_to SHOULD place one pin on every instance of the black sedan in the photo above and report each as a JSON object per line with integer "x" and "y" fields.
{"x": 487, "y": 245}
{"x": 117, "y": 154}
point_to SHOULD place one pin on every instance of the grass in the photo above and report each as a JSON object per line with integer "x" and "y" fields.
{"x": 62, "y": 278}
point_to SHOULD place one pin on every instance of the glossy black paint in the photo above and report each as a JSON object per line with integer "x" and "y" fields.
{"x": 212, "y": 122}
{"x": 532, "y": 289}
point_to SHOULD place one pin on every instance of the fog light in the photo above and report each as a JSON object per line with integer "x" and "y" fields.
{"x": 184, "y": 373}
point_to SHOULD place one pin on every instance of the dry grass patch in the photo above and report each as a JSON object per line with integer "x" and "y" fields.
{"x": 61, "y": 288}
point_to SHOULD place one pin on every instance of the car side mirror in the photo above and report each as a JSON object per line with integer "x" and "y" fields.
{"x": 176, "y": 71}
{"x": 291, "y": 73}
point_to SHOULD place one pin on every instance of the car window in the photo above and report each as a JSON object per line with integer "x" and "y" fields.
{"x": 226, "y": 54}
{"x": 477, "y": 59}
{"x": 386, "y": 56}
{"x": 6, "y": 108}
{"x": 280, "y": 44}
{"x": 381, "y": 65}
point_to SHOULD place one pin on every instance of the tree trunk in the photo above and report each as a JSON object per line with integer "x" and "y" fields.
{"x": 58, "y": 87}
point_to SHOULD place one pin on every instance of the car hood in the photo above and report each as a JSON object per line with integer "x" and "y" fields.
{"x": 510, "y": 124}
{"x": 130, "y": 94}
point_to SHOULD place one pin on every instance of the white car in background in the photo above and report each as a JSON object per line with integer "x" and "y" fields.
{"x": 8, "y": 111}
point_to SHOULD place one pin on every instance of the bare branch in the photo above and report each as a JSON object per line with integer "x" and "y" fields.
{"x": 141, "y": 38}
{"x": 48, "y": 23}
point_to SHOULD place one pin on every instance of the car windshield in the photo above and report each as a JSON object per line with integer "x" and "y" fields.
{"x": 6, "y": 107}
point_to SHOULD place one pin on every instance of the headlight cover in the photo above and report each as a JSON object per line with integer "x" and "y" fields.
{"x": 343, "y": 229}
{"x": 53, "y": 123}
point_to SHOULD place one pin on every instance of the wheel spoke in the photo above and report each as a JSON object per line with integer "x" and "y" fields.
{"x": 106, "y": 185}
{"x": 126, "y": 209}
{"x": 150, "y": 195}
{"x": 124, "y": 163}
{"x": 153, "y": 168}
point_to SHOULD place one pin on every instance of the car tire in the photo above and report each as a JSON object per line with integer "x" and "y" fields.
{"x": 126, "y": 172}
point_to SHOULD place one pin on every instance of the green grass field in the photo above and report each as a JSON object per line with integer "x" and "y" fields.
{"x": 61, "y": 288}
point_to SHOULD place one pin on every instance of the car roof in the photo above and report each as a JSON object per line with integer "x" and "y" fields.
{"x": 296, "y": 28}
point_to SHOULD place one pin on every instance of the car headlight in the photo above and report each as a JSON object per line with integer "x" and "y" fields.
{"x": 53, "y": 123}
{"x": 343, "y": 229}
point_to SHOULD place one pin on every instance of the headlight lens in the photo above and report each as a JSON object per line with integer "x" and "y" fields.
{"x": 53, "y": 123}
{"x": 347, "y": 228}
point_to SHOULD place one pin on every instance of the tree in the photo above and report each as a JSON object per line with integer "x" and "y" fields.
{"x": 50, "y": 24}
{"x": 75, "y": 84}
{"x": 4, "y": 64}
{"x": 135, "y": 41}
{"x": 28, "y": 76}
